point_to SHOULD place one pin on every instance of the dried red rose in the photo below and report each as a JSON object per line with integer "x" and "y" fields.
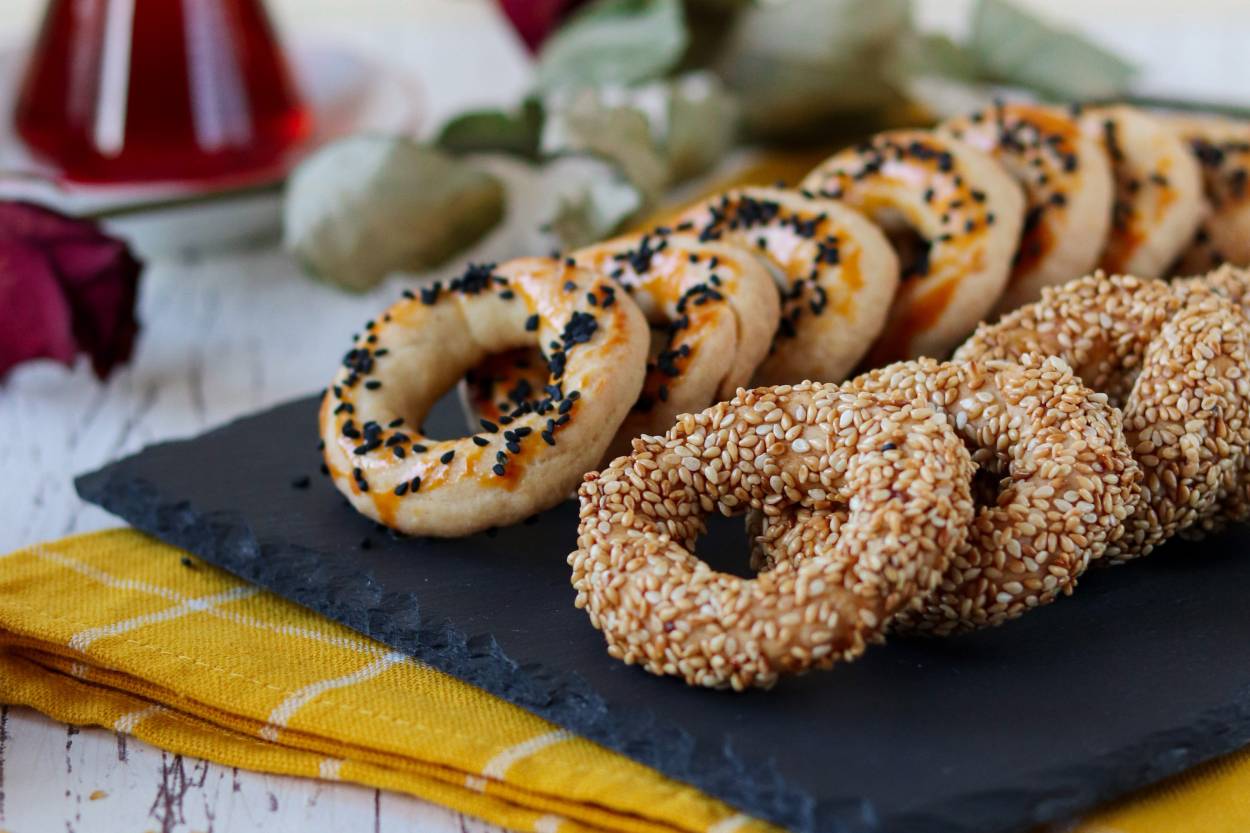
{"x": 534, "y": 20}
{"x": 66, "y": 287}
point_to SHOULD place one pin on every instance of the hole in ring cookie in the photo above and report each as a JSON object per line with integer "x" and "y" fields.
{"x": 405, "y": 360}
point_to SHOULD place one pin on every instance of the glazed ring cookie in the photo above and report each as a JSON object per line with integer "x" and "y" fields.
{"x": 402, "y": 363}
{"x": 1066, "y": 484}
{"x": 836, "y": 271}
{"x": 713, "y": 309}
{"x": 956, "y": 217}
{"x": 899, "y": 468}
{"x": 1175, "y": 369}
{"x": 1067, "y": 185}
{"x": 1222, "y": 148}
{"x": 1158, "y": 191}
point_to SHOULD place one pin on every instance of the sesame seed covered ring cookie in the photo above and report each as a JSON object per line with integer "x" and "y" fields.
{"x": 1158, "y": 190}
{"x": 1234, "y": 284}
{"x": 403, "y": 362}
{"x": 898, "y": 468}
{"x": 1175, "y": 369}
{"x": 836, "y": 271}
{"x": 1068, "y": 190}
{"x": 1066, "y": 482}
{"x": 1222, "y": 148}
{"x": 966, "y": 212}
{"x": 714, "y": 311}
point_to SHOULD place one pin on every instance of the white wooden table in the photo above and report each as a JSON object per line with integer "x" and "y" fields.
{"x": 229, "y": 333}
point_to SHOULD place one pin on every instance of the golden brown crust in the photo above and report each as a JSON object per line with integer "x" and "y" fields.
{"x": 403, "y": 362}
{"x": 835, "y": 269}
{"x": 967, "y": 212}
{"x": 1066, "y": 177}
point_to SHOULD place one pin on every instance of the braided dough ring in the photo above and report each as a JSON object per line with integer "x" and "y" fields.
{"x": 1222, "y": 148}
{"x": 836, "y": 271}
{"x": 715, "y": 311}
{"x": 1068, "y": 482}
{"x": 1158, "y": 190}
{"x": 1175, "y": 369}
{"x": 900, "y": 470}
{"x": 967, "y": 212}
{"x": 1234, "y": 284}
{"x": 1068, "y": 190}
{"x": 403, "y": 363}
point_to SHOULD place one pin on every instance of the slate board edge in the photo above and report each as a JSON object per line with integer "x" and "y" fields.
{"x": 562, "y": 699}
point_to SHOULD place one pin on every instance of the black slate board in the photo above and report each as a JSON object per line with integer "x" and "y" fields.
{"x": 1142, "y": 674}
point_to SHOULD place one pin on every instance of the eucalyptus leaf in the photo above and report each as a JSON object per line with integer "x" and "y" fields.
{"x": 516, "y": 132}
{"x": 610, "y": 125}
{"x": 597, "y": 209}
{"x": 363, "y": 207}
{"x": 614, "y": 41}
{"x": 703, "y": 121}
{"x": 1013, "y": 47}
{"x": 797, "y": 64}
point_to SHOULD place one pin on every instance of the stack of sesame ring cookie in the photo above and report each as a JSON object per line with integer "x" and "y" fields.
{"x": 1066, "y": 482}
{"x": 402, "y": 363}
{"x": 898, "y": 467}
{"x": 1175, "y": 367}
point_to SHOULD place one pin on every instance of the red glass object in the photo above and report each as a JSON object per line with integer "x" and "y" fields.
{"x": 159, "y": 90}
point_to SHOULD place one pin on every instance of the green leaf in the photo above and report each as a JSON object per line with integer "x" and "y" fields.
{"x": 515, "y": 132}
{"x": 363, "y": 207}
{"x": 702, "y": 125}
{"x": 1013, "y": 47}
{"x": 614, "y": 41}
{"x": 796, "y": 65}
{"x": 585, "y": 122}
{"x": 595, "y": 210}
{"x": 922, "y": 54}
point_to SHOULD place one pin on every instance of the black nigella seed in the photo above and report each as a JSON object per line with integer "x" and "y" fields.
{"x": 416, "y": 484}
{"x": 480, "y": 441}
{"x": 523, "y": 431}
{"x": 372, "y": 384}
{"x": 395, "y": 423}
{"x": 489, "y": 426}
{"x": 507, "y": 294}
{"x": 399, "y": 452}
{"x": 301, "y": 482}
{"x": 531, "y": 323}
{"x": 402, "y": 489}
{"x": 447, "y": 458}
{"x": 514, "y": 447}
{"x": 569, "y": 286}
{"x": 888, "y": 447}
{"x": 549, "y": 438}
{"x": 566, "y": 406}
{"x": 417, "y": 448}
{"x": 498, "y": 469}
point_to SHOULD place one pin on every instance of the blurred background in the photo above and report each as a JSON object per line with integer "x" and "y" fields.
{"x": 241, "y": 217}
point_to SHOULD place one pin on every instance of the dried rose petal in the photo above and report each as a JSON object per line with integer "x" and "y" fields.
{"x": 34, "y": 314}
{"x": 89, "y": 302}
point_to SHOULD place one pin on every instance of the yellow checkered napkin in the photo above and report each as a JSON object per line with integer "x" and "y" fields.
{"x": 116, "y": 629}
